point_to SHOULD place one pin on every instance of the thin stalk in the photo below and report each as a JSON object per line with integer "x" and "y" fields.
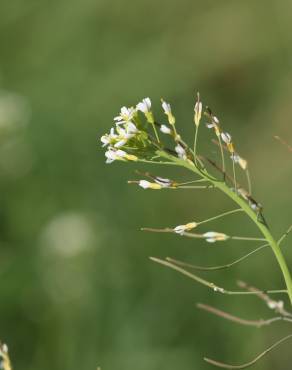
{"x": 195, "y": 144}
{"x": 222, "y": 156}
{"x": 248, "y": 364}
{"x": 248, "y": 181}
{"x": 219, "y": 267}
{"x": 194, "y": 187}
{"x": 239, "y": 320}
{"x": 247, "y": 238}
{"x": 234, "y": 173}
{"x": 156, "y": 133}
{"x": 191, "y": 182}
{"x": 221, "y": 215}
{"x": 209, "y": 284}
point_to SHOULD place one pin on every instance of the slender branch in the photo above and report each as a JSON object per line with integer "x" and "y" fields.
{"x": 252, "y": 362}
{"x": 209, "y": 284}
{"x": 157, "y": 162}
{"x": 285, "y": 235}
{"x": 227, "y": 265}
{"x": 274, "y": 305}
{"x": 221, "y": 215}
{"x": 219, "y": 267}
{"x": 248, "y": 181}
{"x": 239, "y": 320}
{"x": 197, "y": 236}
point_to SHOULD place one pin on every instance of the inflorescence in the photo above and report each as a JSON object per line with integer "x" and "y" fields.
{"x": 138, "y": 137}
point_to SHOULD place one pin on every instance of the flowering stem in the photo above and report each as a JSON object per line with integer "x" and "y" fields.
{"x": 263, "y": 228}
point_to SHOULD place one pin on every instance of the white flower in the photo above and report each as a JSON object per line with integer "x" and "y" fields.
{"x": 165, "y": 129}
{"x": 126, "y": 115}
{"x": 166, "y": 107}
{"x": 113, "y": 155}
{"x": 131, "y": 128}
{"x": 144, "y": 106}
{"x": 226, "y": 137}
{"x": 212, "y": 236}
{"x": 108, "y": 138}
{"x": 180, "y": 229}
{"x": 167, "y": 110}
{"x": 118, "y": 155}
{"x": 149, "y": 185}
{"x": 180, "y": 151}
{"x": 125, "y": 134}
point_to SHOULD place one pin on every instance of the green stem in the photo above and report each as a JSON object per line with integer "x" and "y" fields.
{"x": 249, "y": 212}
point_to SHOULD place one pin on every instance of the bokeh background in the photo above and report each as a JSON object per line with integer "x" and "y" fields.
{"x": 77, "y": 288}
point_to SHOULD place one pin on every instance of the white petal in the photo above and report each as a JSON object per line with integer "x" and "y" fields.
{"x": 165, "y": 129}
{"x": 144, "y": 184}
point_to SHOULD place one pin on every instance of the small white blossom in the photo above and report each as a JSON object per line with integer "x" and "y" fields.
{"x": 180, "y": 151}
{"x": 118, "y": 155}
{"x": 167, "y": 110}
{"x": 131, "y": 128}
{"x": 165, "y": 129}
{"x": 144, "y": 106}
{"x": 126, "y": 115}
{"x": 212, "y": 236}
{"x": 149, "y": 185}
{"x": 108, "y": 138}
{"x": 180, "y": 229}
{"x": 124, "y": 134}
{"x": 166, "y": 107}
{"x": 113, "y": 155}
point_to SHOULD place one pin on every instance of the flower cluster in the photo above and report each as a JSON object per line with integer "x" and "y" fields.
{"x": 130, "y": 134}
{"x": 135, "y": 137}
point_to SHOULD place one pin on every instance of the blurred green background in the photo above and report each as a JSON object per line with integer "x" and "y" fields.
{"x": 77, "y": 288}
